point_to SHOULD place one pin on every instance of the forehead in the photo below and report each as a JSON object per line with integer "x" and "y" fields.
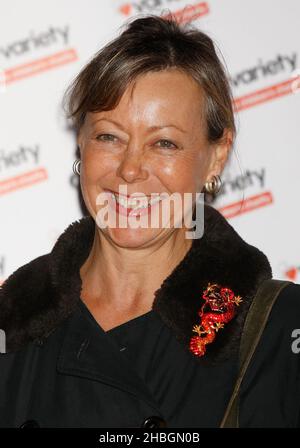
{"x": 163, "y": 95}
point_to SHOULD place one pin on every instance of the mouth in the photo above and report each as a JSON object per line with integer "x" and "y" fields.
{"x": 135, "y": 203}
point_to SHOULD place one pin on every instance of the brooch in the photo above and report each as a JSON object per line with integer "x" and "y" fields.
{"x": 218, "y": 309}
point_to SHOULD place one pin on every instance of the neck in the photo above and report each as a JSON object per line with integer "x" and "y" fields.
{"x": 127, "y": 278}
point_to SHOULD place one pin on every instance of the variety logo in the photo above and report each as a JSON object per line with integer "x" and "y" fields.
{"x": 143, "y": 6}
{"x": 34, "y": 41}
{"x": 29, "y": 45}
{"x": 182, "y": 15}
{"x": 24, "y": 155}
{"x": 281, "y": 64}
{"x": 249, "y": 180}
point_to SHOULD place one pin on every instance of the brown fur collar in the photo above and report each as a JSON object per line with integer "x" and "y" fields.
{"x": 41, "y": 294}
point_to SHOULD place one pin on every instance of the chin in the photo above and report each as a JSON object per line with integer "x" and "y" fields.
{"x": 132, "y": 238}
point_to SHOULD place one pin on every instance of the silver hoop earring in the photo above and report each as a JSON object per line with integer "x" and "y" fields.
{"x": 214, "y": 185}
{"x": 76, "y": 166}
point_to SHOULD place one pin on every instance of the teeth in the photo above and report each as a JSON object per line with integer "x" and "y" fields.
{"x": 133, "y": 203}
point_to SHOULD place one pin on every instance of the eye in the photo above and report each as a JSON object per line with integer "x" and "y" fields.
{"x": 168, "y": 142}
{"x": 99, "y": 137}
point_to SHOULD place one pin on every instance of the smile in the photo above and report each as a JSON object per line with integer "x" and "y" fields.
{"x": 135, "y": 203}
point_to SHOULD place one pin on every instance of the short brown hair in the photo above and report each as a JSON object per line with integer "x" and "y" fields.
{"x": 153, "y": 43}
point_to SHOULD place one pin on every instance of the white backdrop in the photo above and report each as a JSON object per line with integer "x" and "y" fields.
{"x": 43, "y": 44}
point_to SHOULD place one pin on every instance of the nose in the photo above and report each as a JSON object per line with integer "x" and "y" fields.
{"x": 132, "y": 167}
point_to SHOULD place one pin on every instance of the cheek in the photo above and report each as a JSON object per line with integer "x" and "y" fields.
{"x": 184, "y": 174}
{"x": 97, "y": 165}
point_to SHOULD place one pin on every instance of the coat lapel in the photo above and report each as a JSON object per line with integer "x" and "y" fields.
{"x": 40, "y": 295}
{"x": 88, "y": 352}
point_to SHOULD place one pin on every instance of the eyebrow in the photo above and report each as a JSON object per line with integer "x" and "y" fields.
{"x": 151, "y": 128}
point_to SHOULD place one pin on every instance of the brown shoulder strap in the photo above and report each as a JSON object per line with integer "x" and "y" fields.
{"x": 255, "y": 322}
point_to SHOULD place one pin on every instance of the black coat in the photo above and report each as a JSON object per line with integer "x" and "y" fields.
{"x": 60, "y": 371}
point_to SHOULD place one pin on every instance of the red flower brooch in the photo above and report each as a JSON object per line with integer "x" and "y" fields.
{"x": 218, "y": 309}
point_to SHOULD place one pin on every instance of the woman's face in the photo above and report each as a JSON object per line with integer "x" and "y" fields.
{"x": 154, "y": 141}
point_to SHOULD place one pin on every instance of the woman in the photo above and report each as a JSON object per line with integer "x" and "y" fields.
{"x": 104, "y": 331}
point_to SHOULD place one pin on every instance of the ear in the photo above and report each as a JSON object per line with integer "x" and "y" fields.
{"x": 220, "y": 153}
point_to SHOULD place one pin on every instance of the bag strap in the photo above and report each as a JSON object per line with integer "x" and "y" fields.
{"x": 255, "y": 322}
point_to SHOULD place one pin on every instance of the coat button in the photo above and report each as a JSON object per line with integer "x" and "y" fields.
{"x": 39, "y": 342}
{"x": 154, "y": 422}
{"x": 30, "y": 424}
